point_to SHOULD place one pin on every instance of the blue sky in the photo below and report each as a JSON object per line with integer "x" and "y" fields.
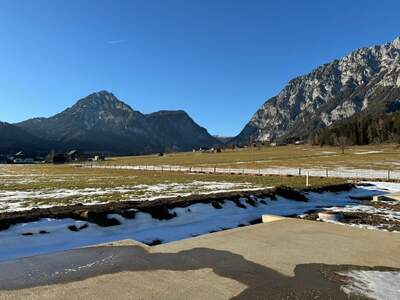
{"x": 218, "y": 60}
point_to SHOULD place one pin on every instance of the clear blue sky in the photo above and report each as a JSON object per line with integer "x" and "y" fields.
{"x": 218, "y": 60}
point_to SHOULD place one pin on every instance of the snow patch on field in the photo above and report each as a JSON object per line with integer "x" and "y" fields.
{"x": 367, "y": 152}
{"x": 388, "y": 214}
{"x": 20, "y": 200}
{"x": 373, "y": 284}
{"x": 382, "y": 186}
{"x": 374, "y": 188}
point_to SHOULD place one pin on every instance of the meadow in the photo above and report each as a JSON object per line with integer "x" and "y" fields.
{"x": 373, "y": 157}
{"x": 44, "y": 185}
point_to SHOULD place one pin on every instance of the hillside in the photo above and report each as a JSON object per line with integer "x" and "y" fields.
{"x": 102, "y": 123}
{"x": 14, "y": 139}
{"x": 366, "y": 79}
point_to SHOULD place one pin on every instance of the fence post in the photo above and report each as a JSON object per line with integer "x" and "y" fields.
{"x": 307, "y": 182}
{"x": 327, "y": 172}
{"x": 388, "y": 176}
{"x": 299, "y": 171}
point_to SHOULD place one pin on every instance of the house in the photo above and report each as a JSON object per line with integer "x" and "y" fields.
{"x": 98, "y": 158}
{"x": 21, "y": 158}
{"x": 74, "y": 155}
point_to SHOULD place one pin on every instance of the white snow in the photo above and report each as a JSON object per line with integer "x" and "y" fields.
{"x": 376, "y": 189}
{"x": 367, "y": 152}
{"x": 194, "y": 220}
{"x": 380, "y": 285}
{"x": 382, "y": 186}
{"x": 20, "y": 200}
{"x": 339, "y": 172}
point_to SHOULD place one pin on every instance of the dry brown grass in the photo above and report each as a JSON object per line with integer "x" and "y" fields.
{"x": 382, "y": 157}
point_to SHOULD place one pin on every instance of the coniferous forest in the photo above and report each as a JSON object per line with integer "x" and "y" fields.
{"x": 360, "y": 130}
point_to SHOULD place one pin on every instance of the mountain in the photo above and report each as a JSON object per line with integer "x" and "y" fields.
{"x": 14, "y": 139}
{"x": 176, "y": 130}
{"x": 366, "y": 79}
{"x": 102, "y": 123}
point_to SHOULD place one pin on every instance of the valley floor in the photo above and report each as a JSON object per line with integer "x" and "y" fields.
{"x": 24, "y": 187}
{"x": 370, "y": 158}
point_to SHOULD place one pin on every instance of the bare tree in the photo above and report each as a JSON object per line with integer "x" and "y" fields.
{"x": 342, "y": 142}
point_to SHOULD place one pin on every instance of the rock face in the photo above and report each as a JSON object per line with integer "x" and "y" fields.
{"x": 102, "y": 123}
{"x": 366, "y": 79}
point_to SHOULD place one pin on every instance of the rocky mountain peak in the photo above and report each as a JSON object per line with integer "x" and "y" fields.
{"x": 366, "y": 79}
{"x": 102, "y": 100}
{"x": 396, "y": 42}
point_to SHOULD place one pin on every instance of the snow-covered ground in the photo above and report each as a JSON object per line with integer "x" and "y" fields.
{"x": 338, "y": 172}
{"x": 50, "y": 235}
{"x": 373, "y": 284}
{"x": 367, "y": 152}
{"x": 22, "y": 199}
{"x": 386, "y": 213}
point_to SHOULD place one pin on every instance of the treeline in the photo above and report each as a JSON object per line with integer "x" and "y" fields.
{"x": 360, "y": 130}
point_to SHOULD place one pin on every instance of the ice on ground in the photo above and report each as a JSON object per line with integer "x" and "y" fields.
{"x": 378, "y": 285}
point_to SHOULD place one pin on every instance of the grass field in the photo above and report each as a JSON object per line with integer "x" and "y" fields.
{"x": 375, "y": 157}
{"x": 26, "y": 186}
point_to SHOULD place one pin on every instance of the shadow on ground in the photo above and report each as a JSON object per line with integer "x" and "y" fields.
{"x": 311, "y": 281}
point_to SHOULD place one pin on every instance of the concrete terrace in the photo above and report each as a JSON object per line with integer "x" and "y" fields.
{"x": 284, "y": 258}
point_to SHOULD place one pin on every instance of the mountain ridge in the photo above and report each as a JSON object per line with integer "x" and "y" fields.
{"x": 100, "y": 122}
{"x": 329, "y": 93}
